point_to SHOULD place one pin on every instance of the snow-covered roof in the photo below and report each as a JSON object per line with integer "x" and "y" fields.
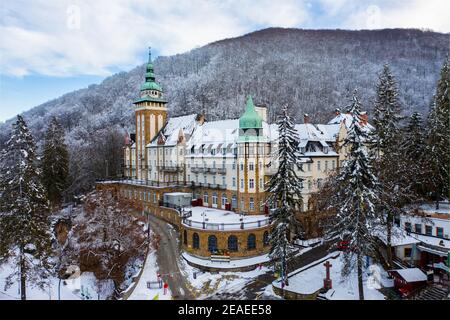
{"x": 347, "y": 119}
{"x": 412, "y": 274}
{"x": 176, "y": 125}
{"x": 444, "y": 208}
{"x": 399, "y": 237}
{"x": 215, "y": 132}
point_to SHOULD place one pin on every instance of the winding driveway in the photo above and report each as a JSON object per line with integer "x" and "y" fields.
{"x": 167, "y": 257}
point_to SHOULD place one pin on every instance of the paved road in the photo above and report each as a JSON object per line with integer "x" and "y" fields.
{"x": 167, "y": 258}
{"x": 253, "y": 290}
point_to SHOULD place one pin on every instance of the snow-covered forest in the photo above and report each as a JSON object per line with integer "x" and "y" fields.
{"x": 311, "y": 70}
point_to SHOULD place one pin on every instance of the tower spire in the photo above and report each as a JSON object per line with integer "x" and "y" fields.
{"x": 149, "y": 54}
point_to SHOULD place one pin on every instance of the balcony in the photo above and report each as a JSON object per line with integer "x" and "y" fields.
{"x": 221, "y": 170}
{"x": 197, "y": 170}
{"x": 170, "y": 168}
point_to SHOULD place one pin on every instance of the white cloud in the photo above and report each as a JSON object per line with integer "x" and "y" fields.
{"x": 423, "y": 14}
{"x": 84, "y": 37}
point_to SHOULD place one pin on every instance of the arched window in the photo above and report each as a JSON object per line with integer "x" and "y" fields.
{"x": 224, "y": 199}
{"x": 212, "y": 244}
{"x": 195, "y": 241}
{"x": 205, "y": 198}
{"x": 232, "y": 243}
{"x": 266, "y": 240}
{"x": 214, "y": 199}
{"x": 251, "y": 242}
{"x": 185, "y": 240}
{"x": 234, "y": 201}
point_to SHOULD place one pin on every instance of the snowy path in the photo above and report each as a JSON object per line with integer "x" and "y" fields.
{"x": 167, "y": 257}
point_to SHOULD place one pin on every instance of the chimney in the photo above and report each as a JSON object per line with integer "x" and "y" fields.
{"x": 200, "y": 118}
{"x": 364, "y": 118}
{"x": 306, "y": 118}
{"x": 262, "y": 111}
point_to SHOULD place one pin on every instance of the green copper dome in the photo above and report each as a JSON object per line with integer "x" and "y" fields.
{"x": 150, "y": 83}
{"x": 250, "y": 119}
{"x": 150, "y": 86}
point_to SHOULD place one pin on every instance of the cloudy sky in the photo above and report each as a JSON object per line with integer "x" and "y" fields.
{"x": 50, "y": 47}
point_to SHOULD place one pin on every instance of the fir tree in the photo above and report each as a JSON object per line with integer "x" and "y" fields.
{"x": 55, "y": 163}
{"x": 387, "y": 115}
{"x": 438, "y": 142}
{"x": 285, "y": 188}
{"x": 24, "y": 226}
{"x": 413, "y": 155}
{"x": 355, "y": 195}
{"x": 385, "y": 143}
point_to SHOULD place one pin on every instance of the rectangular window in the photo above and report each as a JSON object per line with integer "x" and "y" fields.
{"x": 234, "y": 166}
{"x": 252, "y": 204}
{"x": 418, "y": 228}
{"x": 318, "y": 165}
{"x": 326, "y": 165}
{"x": 242, "y": 183}
{"x": 439, "y": 232}
{"x": 407, "y": 253}
{"x": 408, "y": 227}
{"x": 261, "y": 183}
{"x": 251, "y": 183}
{"x": 234, "y": 182}
{"x": 251, "y": 166}
{"x": 309, "y": 166}
{"x": 242, "y": 167}
{"x": 223, "y": 181}
{"x": 333, "y": 164}
{"x": 428, "y": 230}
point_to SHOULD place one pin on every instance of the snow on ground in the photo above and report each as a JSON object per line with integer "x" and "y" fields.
{"x": 311, "y": 280}
{"x": 235, "y": 263}
{"x": 141, "y": 292}
{"x": 80, "y": 288}
{"x": 207, "y": 283}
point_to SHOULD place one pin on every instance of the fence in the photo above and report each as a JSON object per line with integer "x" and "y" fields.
{"x": 226, "y": 226}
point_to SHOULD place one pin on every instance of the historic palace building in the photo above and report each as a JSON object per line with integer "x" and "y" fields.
{"x": 209, "y": 178}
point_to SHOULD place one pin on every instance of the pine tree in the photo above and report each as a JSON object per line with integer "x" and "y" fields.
{"x": 413, "y": 159}
{"x": 438, "y": 141}
{"x": 55, "y": 163}
{"x": 385, "y": 143}
{"x": 24, "y": 226}
{"x": 387, "y": 114}
{"x": 355, "y": 195}
{"x": 285, "y": 189}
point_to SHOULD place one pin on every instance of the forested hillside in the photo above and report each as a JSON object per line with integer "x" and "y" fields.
{"x": 311, "y": 70}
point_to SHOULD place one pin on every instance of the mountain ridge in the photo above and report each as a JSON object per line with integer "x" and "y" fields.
{"x": 312, "y": 71}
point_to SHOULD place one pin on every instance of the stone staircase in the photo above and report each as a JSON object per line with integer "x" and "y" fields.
{"x": 432, "y": 293}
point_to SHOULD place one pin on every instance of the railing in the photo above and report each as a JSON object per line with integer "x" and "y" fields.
{"x": 171, "y": 168}
{"x": 227, "y": 226}
{"x": 140, "y": 182}
{"x": 196, "y": 170}
{"x": 221, "y": 170}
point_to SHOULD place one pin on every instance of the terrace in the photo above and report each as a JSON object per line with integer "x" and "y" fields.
{"x": 222, "y": 220}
